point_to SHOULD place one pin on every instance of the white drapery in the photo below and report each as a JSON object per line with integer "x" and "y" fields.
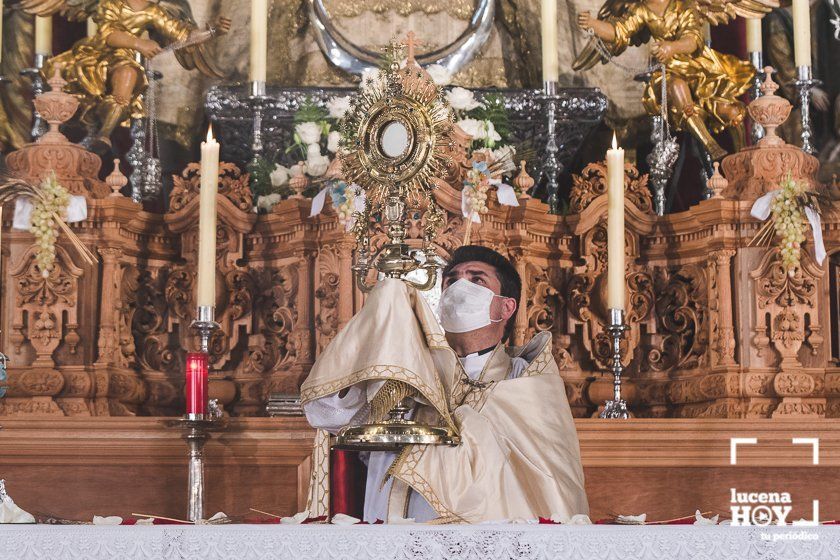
{"x": 403, "y": 542}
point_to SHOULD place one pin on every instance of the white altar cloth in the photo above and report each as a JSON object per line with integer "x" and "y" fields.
{"x": 404, "y": 542}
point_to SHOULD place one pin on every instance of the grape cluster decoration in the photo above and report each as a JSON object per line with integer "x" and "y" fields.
{"x": 476, "y": 185}
{"x": 789, "y": 222}
{"x": 50, "y": 205}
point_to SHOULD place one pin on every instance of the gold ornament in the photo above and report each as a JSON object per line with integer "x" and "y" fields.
{"x": 703, "y": 84}
{"x": 103, "y": 71}
{"x": 397, "y": 139}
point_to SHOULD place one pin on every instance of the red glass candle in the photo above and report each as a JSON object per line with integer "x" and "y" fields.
{"x": 197, "y": 383}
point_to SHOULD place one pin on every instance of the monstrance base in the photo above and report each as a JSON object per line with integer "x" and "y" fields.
{"x": 392, "y": 436}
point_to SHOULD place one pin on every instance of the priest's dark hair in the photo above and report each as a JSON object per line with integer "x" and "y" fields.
{"x": 511, "y": 283}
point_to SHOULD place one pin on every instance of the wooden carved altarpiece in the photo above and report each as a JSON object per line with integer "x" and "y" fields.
{"x": 717, "y": 329}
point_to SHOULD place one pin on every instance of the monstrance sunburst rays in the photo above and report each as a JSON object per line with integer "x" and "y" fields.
{"x": 409, "y": 96}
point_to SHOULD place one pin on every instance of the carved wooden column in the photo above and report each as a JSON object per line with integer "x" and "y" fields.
{"x": 346, "y": 282}
{"x": 520, "y": 327}
{"x": 110, "y": 293}
{"x": 723, "y": 330}
{"x": 303, "y": 333}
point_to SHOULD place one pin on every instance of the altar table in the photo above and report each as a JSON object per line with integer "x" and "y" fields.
{"x": 403, "y": 542}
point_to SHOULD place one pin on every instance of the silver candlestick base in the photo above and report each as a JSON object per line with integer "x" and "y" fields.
{"x": 197, "y": 428}
{"x": 756, "y": 58}
{"x": 39, "y": 125}
{"x": 616, "y": 408}
{"x": 805, "y": 82}
{"x": 551, "y": 167}
{"x": 258, "y": 101}
{"x": 205, "y": 323}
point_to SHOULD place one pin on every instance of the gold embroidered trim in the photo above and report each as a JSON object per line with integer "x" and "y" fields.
{"x": 437, "y": 341}
{"x": 386, "y": 372}
{"x": 405, "y": 472}
{"x": 318, "y": 503}
{"x": 389, "y": 396}
{"x": 445, "y": 520}
{"x": 543, "y": 360}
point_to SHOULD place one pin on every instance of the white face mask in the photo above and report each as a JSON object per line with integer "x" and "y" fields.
{"x": 465, "y": 306}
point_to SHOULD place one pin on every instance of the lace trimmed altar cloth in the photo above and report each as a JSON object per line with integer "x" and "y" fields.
{"x": 404, "y": 542}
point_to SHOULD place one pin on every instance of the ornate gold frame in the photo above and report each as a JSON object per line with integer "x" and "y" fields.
{"x": 393, "y": 185}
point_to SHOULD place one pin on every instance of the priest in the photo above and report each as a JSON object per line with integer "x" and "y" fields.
{"x": 518, "y": 457}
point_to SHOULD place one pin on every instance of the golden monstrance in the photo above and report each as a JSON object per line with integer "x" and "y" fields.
{"x": 397, "y": 137}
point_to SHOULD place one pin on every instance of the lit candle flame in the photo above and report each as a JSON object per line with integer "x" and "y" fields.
{"x": 210, "y": 133}
{"x": 615, "y": 142}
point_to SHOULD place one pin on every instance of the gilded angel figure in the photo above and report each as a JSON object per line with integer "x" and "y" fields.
{"x": 703, "y": 85}
{"x": 103, "y": 70}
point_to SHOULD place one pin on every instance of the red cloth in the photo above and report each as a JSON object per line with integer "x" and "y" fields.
{"x": 348, "y": 476}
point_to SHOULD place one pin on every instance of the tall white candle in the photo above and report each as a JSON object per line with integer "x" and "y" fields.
{"x": 753, "y": 35}
{"x": 550, "y": 56}
{"x": 615, "y": 226}
{"x": 801, "y": 33}
{"x": 43, "y": 35}
{"x": 206, "y": 292}
{"x": 259, "y": 39}
{"x": 91, "y": 27}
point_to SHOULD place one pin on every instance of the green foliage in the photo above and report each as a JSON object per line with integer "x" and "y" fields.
{"x": 494, "y": 111}
{"x": 309, "y": 111}
{"x": 260, "y": 171}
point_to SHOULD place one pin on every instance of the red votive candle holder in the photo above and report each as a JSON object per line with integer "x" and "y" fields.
{"x": 197, "y": 383}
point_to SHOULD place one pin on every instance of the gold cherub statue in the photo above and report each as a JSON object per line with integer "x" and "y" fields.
{"x": 703, "y": 85}
{"x": 103, "y": 70}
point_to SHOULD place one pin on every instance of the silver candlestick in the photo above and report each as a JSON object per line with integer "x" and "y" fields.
{"x": 197, "y": 428}
{"x": 756, "y": 59}
{"x": 205, "y": 323}
{"x": 805, "y": 82}
{"x": 551, "y": 167}
{"x": 258, "y": 101}
{"x": 39, "y": 125}
{"x": 616, "y": 408}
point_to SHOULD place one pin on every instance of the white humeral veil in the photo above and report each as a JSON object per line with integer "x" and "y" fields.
{"x": 519, "y": 455}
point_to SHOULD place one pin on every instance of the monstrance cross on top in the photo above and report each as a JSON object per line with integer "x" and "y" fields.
{"x": 410, "y": 42}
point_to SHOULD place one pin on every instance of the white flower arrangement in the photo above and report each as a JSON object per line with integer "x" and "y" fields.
{"x": 440, "y": 75}
{"x": 462, "y": 99}
{"x": 338, "y": 107}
